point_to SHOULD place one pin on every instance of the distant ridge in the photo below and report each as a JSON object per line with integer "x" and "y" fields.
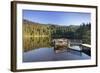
{"x": 25, "y": 21}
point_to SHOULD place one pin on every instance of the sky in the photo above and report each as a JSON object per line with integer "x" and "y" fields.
{"x": 57, "y": 17}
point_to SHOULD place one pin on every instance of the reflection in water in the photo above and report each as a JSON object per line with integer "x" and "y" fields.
{"x": 36, "y": 49}
{"x": 48, "y": 54}
{"x": 30, "y": 43}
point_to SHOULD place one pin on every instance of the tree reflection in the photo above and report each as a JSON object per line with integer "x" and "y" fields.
{"x": 30, "y": 43}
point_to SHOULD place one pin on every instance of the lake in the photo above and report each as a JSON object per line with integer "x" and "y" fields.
{"x": 39, "y": 49}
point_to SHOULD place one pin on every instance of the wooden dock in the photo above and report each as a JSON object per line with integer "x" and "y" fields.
{"x": 66, "y": 44}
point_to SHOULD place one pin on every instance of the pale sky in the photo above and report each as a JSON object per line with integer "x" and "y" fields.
{"x": 59, "y": 18}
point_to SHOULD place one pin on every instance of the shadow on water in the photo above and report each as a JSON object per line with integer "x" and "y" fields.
{"x": 74, "y": 52}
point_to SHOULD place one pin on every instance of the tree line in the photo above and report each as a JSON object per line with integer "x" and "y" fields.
{"x": 81, "y": 32}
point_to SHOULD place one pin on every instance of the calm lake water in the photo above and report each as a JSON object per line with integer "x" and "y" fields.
{"x": 39, "y": 49}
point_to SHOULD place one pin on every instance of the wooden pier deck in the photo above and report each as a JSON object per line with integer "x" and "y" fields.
{"x": 65, "y": 44}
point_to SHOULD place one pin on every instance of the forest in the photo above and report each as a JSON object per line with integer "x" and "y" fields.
{"x": 53, "y": 31}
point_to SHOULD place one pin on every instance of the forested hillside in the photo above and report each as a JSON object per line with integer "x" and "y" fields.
{"x": 34, "y": 29}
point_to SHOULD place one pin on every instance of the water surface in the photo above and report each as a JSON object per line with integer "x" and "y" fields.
{"x": 40, "y": 49}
